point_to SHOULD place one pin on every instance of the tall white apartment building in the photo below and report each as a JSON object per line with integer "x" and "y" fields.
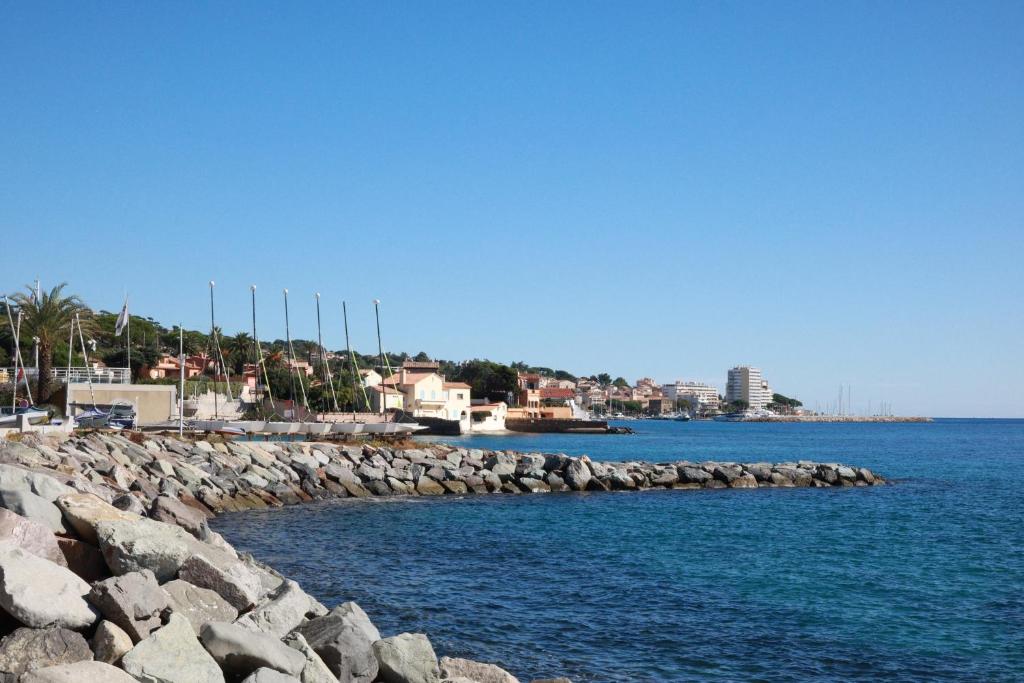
{"x": 705, "y": 394}
{"x": 746, "y": 384}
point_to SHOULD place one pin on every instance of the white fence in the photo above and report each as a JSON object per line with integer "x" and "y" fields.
{"x": 63, "y": 375}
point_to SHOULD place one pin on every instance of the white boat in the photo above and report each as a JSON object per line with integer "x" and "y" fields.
{"x": 282, "y": 427}
{"x": 314, "y": 428}
{"x": 250, "y": 426}
{"x": 391, "y": 427}
{"x": 9, "y": 416}
{"x": 348, "y": 427}
{"x": 206, "y": 425}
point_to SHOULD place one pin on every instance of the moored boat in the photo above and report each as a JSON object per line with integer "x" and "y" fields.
{"x": 9, "y": 416}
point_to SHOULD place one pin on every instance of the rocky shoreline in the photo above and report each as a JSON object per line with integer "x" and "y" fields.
{"x": 109, "y": 570}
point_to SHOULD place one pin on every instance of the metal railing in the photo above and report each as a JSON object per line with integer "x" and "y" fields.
{"x": 76, "y": 375}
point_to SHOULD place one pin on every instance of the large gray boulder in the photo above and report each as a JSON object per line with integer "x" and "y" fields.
{"x": 314, "y": 670}
{"x": 129, "y": 546}
{"x": 27, "y": 504}
{"x": 199, "y": 605}
{"x": 110, "y": 642}
{"x": 289, "y": 607}
{"x": 27, "y": 649}
{"x": 233, "y": 580}
{"x": 429, "y": 487}
{"x": 407, "y": 658}
{"x": 693, "y": 475}
{"x": 43, "y": 485}
{"x": 80, "y": 672}
{"x": 577, "y": 474}
{"x": 452, "y": 667}
{"x": 133, "y": 601}
{"x": 83, "y": 511}
{"x": 342, "y": 639}
{"x": 39, "y": 593}
{"x": 239, "y": 652}
{"x": 173, "y": 511}
{"x": 29, "y": 535}
{"x": 172, "y": 654}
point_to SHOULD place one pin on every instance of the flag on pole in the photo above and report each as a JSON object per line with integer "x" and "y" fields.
{"x": 122, "y": 319}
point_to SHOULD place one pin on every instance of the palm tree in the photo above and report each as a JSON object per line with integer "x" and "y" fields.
{"x": 47, "y": 318}
{"x": 239, "y": 350}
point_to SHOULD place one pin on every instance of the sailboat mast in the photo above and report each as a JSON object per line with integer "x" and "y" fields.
{"x": 288, "y": 341}
{"x": 260, "y": 365}
{"x": 324, "y": 368}
{"x": 67, "y": 390}
{"x": 351, "y": 360}
{"x": 181, "y": 378}
{"x": 380, "y": 353}
{"x": 213, "y": 338}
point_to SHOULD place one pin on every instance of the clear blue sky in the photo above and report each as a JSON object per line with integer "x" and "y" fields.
{"x": 833, "y": 192}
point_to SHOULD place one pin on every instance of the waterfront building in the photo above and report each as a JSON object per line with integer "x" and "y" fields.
{"x": 660, "y": 405}
{"x": 745, "y": 383}
{"x": 488, "y": 417}
{"x": 427, "y": 394}
{"x": 702, "y": 396}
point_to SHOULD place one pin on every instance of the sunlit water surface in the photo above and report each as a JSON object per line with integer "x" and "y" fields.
{"x": 919, "y": 581}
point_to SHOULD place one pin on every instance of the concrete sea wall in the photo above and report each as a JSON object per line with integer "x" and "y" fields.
{"x": 109, "y": 570}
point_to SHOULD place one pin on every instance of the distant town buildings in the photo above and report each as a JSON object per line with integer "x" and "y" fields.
{"x": 745, "y": 383}
{"x": 702, "y": 397}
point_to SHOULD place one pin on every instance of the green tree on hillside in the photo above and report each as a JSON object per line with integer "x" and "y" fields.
{"x": 238, "y": 350}
{"x": 488, "y": 379}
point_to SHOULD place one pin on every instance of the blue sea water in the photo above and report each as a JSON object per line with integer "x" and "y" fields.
{"x": 919, "y": 581}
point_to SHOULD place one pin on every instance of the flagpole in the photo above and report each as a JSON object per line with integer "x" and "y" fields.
{"x": 181, "y": 364}
{"x": 128, "y": 324}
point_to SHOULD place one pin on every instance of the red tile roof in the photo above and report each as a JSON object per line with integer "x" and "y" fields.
{"x": 556, "y": 392}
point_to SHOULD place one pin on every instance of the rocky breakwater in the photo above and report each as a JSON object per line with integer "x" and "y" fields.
{"x": 109, "y": 570}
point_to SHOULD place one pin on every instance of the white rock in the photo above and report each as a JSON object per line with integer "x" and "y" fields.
{"x": 110, "y": 642}
{"x": 172, "y": 655}
{"x": 288, "y": 608}
{"x": 39, "y": 593}
{"x": 452, "y": 667}
{"x": 315, "y": 670}
{"x": 79, "y": 672}
{"x": 231, "y": 579}
{"x": 240, "y": 652}
{"x": 407, "y": 658}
